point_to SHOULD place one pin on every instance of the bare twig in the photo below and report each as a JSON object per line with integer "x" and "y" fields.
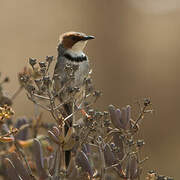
{"x": 35, "y": 102}
{"x": 140, "y": 116}
{"x": 22, "y": 155}
{"x": 16, "y": 93}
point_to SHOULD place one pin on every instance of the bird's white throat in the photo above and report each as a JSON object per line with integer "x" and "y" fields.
{"x": 79, "y": 46}
{"x": 74, "y": 53}
{"x": 77, "y": 49}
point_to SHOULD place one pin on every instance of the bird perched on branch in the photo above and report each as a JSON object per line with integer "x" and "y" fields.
{"x": 70, "y": 51}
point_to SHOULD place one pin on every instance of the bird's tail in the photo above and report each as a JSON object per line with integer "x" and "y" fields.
{"x": 68, "y": 109}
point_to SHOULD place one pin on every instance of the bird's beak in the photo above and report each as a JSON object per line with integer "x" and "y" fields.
{"x": 88, "y": 38}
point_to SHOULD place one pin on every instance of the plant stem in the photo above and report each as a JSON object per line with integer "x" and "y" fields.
{"x": 140, "y": 116}
{"x": 22, "y": 155}
{"x": 16, "y": 93}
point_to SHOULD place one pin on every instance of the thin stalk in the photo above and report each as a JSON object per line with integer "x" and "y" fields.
{"x": 140, "y": 116}
{"x": 42, "y": 97}
{"x": 16, "y": 93}
{"x": 22, "y": 155}
{"x": 52, "y": 111}
{"x": 103, "y": 168}
{"x": 57, "y": 165}
{"x": 62, "y": 155}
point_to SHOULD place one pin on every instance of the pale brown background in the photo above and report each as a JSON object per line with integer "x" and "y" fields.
{"x": 136, "y": 54}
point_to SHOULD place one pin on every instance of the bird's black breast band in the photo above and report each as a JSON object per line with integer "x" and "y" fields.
{"x": 75, "y": 58}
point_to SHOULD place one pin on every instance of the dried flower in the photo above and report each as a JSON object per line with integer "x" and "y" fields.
{"x": 42, "y": 64}
{"x": 111, "y": 134}
{"x": 140, "y": 143}
{"x": 5, "y": 113}
{"x": 6, "y": 79}
{"x": 147, "y": 102}
{"x": 49, "y": 59}
{"x": 32, "y": 62}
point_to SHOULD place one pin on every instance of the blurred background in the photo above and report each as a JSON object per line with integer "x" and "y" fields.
{"x": 135, "y": 55}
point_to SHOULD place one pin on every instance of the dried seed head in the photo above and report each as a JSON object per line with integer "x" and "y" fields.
{"x": 6, "y": 79}
{"x": 106, "y": 113}
{"x": 140, "y": 143}
{"x": 107, "y": 122}
{"x": 97, "y": 93}
{"x": 98, "y": 114}
{"x": 130, "y": 142}
{"x": 147, "y": 102}
{"x": 113, "y": 146}
{"x": 42, "y": 64}
{"x": 75, "y": 89}
{"x": 152, "y": 172}
{"x": 91, "y": 112}
{"x": 161, "y": 177}
{"x": 72, "y": 89}
{"x": 32, "y": 62}
{"x": 46, "y": 80}
{"x": 30, "y": 88}
{"x": 88, "y": 80}
{"x": 170, "y": 178}
{"x": 23, "y": 79}
{"x": 49, "y": 59}
{"x": 43, "y": 71}
{"x": 5, "y": 113}
{"x": 38, "y": 82}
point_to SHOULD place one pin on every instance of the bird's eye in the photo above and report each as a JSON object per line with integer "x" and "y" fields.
{"x": 75, "y": 38}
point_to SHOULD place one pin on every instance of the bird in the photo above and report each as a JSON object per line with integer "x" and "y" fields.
{"x": 70, "y": 51}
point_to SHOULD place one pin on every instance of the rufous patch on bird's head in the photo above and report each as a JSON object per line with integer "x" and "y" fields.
{"x": 75, "y": 41}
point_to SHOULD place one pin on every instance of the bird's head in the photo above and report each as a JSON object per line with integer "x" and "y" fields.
{"x": 74, "y": 41}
